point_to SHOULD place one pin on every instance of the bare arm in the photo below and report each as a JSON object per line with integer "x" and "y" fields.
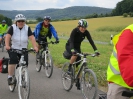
{"x": 7, "y": 41}
{"x": 33, "y": 41}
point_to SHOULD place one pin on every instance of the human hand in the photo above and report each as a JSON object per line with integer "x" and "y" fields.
{"x": 8, "y": 47}
{"x": 97, "y": 53}
{"x": 57, "y": 41}
{"x": 73, "y": 51}
{"x": 36, "y": 49}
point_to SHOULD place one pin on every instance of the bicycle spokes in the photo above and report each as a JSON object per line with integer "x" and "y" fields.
{"x": 48, "y": 65}
{"x": 89, "y": 84}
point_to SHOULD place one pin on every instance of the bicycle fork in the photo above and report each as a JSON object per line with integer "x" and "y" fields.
{"x": 46, "y": 54}
{"x": 20, "y": 75}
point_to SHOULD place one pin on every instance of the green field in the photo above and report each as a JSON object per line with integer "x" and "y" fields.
{"x": 100, "y": 29}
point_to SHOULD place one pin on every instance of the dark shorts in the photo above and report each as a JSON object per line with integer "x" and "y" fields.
{"x": 42, "y": 39}
{"x": 77, "y": 49}
{"x": 15, "y": 57}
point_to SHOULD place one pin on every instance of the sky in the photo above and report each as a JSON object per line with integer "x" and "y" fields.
{"x": 46, "y": 4}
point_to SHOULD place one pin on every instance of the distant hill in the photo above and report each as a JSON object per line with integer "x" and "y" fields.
{"x": 69, "y": 12}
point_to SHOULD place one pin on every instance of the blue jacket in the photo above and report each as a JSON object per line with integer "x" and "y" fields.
{"x": 50, "y": 31}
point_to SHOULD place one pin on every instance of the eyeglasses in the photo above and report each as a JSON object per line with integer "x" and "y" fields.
{"x": 21, "y": 21}
{"x": 47, "y": 20}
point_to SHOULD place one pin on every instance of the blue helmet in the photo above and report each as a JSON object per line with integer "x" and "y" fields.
{"x": 3, "y": 21}
{"x": 47, "y": 18}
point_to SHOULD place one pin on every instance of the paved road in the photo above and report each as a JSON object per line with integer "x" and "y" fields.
{"x": 41, "y": 86}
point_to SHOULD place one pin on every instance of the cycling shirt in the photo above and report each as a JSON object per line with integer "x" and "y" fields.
{"x": 44, "y": 31}
{"x": 77, "y": 37}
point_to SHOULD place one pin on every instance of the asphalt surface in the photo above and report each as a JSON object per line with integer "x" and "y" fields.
{"x": 41, "y": 87}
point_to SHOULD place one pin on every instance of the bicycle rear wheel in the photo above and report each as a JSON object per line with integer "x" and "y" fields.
{"x": 12, "y": 87}
{"x": 89, "y": 84}
{"x": 67, "y": 79}
{"x": 48, "y": 65}
{"x": 24, "y": 84}
{"x": 38, "y": 64}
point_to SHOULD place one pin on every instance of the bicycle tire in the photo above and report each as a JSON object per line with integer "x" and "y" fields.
{"x": 89, "y": 81}
{"x": 12, "y": 87}
{"x": 49, "y": 65}
{"x": 24, "y": 89}
{"x": 65, "y": 76}
{"x": 2, "y": 45}
{"x": 38, "y": 64}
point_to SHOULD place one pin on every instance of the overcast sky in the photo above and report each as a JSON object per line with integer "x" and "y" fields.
{"x": 45, "y": 4}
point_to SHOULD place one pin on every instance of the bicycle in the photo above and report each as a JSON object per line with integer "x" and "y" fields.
{"x": 3, "y": 43}
{"x": 45, "y": 59}
{"x": 21, "y": 76}
{"x": 88, "y": 80}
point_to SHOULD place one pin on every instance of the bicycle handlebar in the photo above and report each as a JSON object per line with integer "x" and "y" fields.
{"x": 86, "y": 54}
{"x": 43, "y": 42}
{"x": 21, "y": 51}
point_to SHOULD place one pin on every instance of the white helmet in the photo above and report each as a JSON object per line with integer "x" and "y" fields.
{"x": 83, "y": 23}
{"x": 20, "y": 17}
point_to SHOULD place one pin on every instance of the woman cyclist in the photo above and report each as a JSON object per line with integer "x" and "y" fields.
{"x": 19, "y": 33}
{"x": 73, "y": 44}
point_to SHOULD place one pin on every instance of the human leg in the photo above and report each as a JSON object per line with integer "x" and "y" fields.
{"x": 115, "y": 91}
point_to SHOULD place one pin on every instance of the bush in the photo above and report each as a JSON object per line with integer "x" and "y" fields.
{"x": 131, "y": 14}
{"x": 125, "y": 15}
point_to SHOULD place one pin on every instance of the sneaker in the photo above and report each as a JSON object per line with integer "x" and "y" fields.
{"x": 78, "y": 85}
{"x": 69, "y": 71}
{"x": 10, "y": 82}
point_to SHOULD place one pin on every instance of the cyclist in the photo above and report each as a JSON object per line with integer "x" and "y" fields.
{"x": 73, "y": 44}
{"x": 19, "y": 33}
{"x": 120, "y": 70}
{"x": 3, "y": 30}
{"x": 43, "y": 30}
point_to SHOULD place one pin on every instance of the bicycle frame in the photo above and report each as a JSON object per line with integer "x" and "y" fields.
{"x": 44, "y": 52}
{"x": 83, "y": 64}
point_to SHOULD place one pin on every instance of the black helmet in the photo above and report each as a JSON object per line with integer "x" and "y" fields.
{"x": 3, "y": 21}
{"x": 47, "y": 18}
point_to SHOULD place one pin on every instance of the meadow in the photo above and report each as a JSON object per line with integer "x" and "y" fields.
{"x": 100, "y": 29}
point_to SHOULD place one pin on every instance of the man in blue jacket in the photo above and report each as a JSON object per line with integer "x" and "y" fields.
{"x": 43, "y": 30}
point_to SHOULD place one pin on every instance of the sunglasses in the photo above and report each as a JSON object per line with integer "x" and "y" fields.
{"x": 21, "y": 21}
{"x": 47, "y": 20}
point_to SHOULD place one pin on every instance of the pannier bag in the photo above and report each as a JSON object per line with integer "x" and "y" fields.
{"x": 66, "y": 54}
{"x": 4, "y": 65}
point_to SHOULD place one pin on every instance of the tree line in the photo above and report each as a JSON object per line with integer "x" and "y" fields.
{"x": 123, "y": 7}
{"x": 8, "y": 20}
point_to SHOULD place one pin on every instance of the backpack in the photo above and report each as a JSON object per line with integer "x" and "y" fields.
{"x": 4, "y": 65}
{"x": 66, "y": 54}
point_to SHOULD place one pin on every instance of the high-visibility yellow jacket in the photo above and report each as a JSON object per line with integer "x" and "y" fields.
{"x": 120, "y": 68}
{"x": 3, "y": 29}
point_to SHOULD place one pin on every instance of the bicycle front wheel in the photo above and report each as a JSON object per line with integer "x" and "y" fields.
{"x": 67, "y": 79}
{"x": 12, "y": 87}
{"x": 48, "y": 65}
{"x": 24, "y": 84}
{"x": 38, "y": 63}
{"x": 89, "y": 85}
